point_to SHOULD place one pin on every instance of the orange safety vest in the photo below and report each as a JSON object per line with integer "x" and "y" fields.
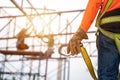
{"x": 92, "y": 9}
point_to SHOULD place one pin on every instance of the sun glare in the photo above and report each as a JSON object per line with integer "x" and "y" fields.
{"x": 47, "y": 24}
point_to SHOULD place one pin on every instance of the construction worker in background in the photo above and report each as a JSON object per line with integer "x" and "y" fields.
{"x": 20, "y": 40}
{"x": 108, "y": 36}
{"x": 50, "y": 50}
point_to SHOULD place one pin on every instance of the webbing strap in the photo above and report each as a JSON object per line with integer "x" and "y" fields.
{"x": 101, "y": 14}
{"x": 110, "y": 19}
{"x": 106, "y": 7}
{"x": 88, "y": 62}
{"x": 113, "y": 36}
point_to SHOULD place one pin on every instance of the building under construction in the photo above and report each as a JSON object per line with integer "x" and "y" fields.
{"x": 33, "y": 41}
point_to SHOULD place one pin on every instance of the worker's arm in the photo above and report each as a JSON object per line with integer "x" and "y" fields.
{"x": 90, "y": 13}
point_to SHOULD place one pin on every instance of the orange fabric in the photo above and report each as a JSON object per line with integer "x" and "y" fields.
{"x": 90, "y": 13}
{"x": 92, "y": 9}
{"x": 114, "y": 5}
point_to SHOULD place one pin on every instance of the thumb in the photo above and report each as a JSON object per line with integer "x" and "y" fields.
{"x": 68, "y": 49}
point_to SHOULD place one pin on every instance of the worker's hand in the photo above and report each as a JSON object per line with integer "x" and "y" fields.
{"x": 75, "y": 42}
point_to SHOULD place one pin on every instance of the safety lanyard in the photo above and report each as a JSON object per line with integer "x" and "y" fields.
{"x": 88, "y": 62}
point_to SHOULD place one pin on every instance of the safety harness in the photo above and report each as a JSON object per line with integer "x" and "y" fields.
{"x": 114, "y": 36}
{"x": 111, "y": 35}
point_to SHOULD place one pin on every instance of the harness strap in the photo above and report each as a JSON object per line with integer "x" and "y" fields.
{"x": 113, "y": 36}
{"x": 88, "y": 62}
{"x": 110, "y": 19}
{"x": 100, "y": 15}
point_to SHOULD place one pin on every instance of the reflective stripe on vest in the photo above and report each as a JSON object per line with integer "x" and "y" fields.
{"x": 110, "y": 19}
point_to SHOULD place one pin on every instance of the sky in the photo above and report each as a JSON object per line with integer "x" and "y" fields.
{"x": 78, "y": 70}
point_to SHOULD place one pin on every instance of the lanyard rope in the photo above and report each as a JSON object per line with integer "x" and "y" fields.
{"x": 88, "y": 62}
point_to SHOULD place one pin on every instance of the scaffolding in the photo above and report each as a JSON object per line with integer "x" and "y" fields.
{"x": 33, "y": 62}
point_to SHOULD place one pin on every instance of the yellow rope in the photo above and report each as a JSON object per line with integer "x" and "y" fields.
{"x": 88, "y": 62}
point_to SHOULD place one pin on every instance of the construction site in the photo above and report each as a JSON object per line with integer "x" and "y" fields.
{"x": 34, "y": 38}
